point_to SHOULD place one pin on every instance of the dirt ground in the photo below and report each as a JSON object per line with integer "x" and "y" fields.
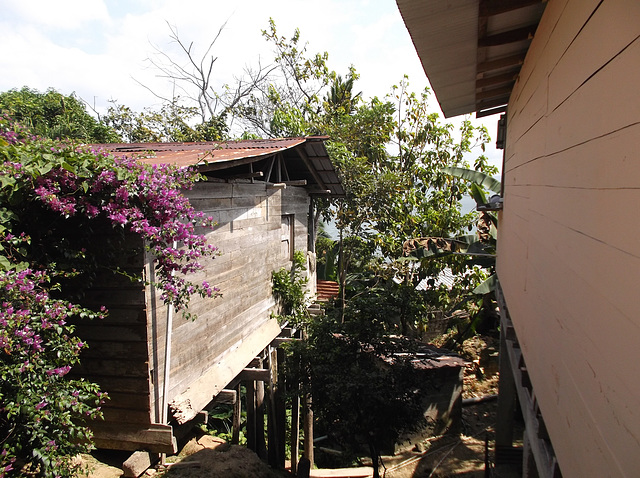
{"x": 460, "y": 456}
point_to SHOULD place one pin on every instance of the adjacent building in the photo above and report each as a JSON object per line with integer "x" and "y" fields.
{"x": 565, "y": 75}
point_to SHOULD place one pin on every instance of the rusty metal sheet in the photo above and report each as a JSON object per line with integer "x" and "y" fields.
{"x": 193, "y": 154}
{"x": 221, "y": 155}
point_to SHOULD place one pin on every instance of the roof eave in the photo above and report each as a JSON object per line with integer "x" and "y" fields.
{"x": 471, "y": 50}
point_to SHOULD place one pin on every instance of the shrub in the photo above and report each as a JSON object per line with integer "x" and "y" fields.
{"x": 53, "y": 197}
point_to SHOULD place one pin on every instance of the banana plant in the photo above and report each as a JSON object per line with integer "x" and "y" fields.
{"x": 480, "y": 248}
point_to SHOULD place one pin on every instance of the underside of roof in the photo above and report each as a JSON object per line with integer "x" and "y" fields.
{"x": 471, "y": 50}
{"x": 290, "y": 161}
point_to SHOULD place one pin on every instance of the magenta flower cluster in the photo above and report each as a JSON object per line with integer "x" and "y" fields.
{"x": 42, "y": 407}
{"x": 147, "y": 200}
{"x": 38, "y": 349}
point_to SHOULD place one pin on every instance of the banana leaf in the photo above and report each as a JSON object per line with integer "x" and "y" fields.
{"x": 477, "y": 194}
{"x": 475, "y": 177}
{"x": 487, "y": 286}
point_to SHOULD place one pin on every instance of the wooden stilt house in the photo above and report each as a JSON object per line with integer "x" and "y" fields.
{"x": 161, "y": 370}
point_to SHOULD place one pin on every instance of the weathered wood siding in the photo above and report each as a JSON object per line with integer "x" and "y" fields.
{"x": 568, "y": 257}
{"x": 257, "y": 229}
{"x": 117, "y": 358}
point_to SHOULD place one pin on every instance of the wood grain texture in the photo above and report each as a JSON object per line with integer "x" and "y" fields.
{"x": 127, "y": 350}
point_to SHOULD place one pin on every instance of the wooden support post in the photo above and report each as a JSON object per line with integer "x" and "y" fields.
{"x": 281, "y": 410}
{"x": 507, "y": 398}
{"x": 308, "y": 430}
{"x": 261, "y": 446}
{"x": 272, "y": 422}
{"x": 237, "y": 415}
{"x": 304, "y": 470}
{"x": 276, "y": 423}
{"x": 295, "y": 432}
{"x": 251, "y": 416}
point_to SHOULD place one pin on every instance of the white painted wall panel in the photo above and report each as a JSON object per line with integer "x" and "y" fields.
{"x": 569, "y": 261}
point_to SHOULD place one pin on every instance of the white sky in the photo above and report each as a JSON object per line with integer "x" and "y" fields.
{"x": 96, "y": 48}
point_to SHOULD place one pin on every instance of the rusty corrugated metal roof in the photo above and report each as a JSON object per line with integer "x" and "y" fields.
{"x": 306, "y": 157}
{"x": 326, "y": 290}
{"x": 202, "y": 153}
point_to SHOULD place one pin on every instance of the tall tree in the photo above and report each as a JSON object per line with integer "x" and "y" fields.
{"x": 172, "y": 123}
{"x": 288, "y": 99}
{"x": 54, "y": 115}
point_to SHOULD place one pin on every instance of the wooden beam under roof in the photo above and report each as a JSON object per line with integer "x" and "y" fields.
{"x": 492, "y": 103}
{"x": 307, "y": 161}
{"x": 481, "y": 113}
{"x": 494, "y": 93}
{"x": 511, "y": 36}
{"x": 496, "y": 80}
{"x": 506, "y": 62}
{"x": 205, "y": 166}
{"x": 489, "y": 8}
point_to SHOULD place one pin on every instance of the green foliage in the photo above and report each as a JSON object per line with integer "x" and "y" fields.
{"x": 220, "y": 424}
{"x": 327, "y": 258}
{"x": 289, "y": 290}
{"x": 54, "y": 115}
{"x": 44, "y": 413}
{"x": 391, "y": 198}
{"x": 65, "y": 213}
{"x": 476, "y": 177}
{"x": 172, "y": 123}
{"x": 358, "y": 398}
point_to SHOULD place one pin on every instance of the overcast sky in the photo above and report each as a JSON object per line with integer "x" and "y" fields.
{"x": 98, "y": 48}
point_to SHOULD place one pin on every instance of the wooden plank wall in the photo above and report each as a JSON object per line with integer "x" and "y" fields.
{"x": 250, "y": 235}
{"x": 568, "y": 256}
{"x": 117, "y": 357}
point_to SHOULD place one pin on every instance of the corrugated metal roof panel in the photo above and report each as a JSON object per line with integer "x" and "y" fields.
{"x": 326, "y": 290}
{"x": 223, "y": 155}
{"x": 192, "y": 154}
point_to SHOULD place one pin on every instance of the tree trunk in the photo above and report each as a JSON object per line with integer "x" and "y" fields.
{"x": 342, "y": 277}
{"x": 375, "y": 456}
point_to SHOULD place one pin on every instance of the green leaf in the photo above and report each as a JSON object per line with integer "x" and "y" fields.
{"x": 477, "y": 194}
{"x": 6, "y": 215}
{"x": 475, "y": 177}
{"x": 5, "y": 265}
{"x": 68, "y": 167}
{"x": 44, "y": 168}
{"x": 6, "y": 180}
{"x": 487, "y": 286}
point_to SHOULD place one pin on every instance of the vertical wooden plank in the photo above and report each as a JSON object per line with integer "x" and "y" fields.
{"x": 272, "y": 422}
{"x": 237, "y": 415}
{"x": 251, "y": 415}
{"x": 276, "y": 421}
{"x": 308, "y": 430}
{"x": 304, "y": 469}
{"x": 295, "y": 432}
{"x": 261, "y": 446}
{"x": 281, "y": 410}
{"x": 506, "y": 398}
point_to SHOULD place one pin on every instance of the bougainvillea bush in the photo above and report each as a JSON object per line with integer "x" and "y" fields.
{"x": 56, "y": 200}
